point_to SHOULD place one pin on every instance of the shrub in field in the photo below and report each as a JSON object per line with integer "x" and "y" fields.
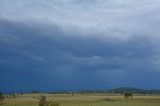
{"x": 34, "y": 97}
{"x": 42, "y": 101}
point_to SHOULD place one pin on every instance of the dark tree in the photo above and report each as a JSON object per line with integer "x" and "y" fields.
{"x": 21, "y": 94}
{"x": 72, "y": 94}
{"x": 1, "y": 98}
{"x": 128, "y": 95}
{"x": 14, "y": 95}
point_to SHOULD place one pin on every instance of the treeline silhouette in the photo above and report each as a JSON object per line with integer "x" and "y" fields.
{"x": 121, "y": 90}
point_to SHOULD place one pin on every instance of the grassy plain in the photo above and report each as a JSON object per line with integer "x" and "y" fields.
{"x": 85, "y": 100}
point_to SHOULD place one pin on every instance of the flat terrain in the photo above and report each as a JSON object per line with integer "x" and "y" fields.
{"x": 84, "y": 100}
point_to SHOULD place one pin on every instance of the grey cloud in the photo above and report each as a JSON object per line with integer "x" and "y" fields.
{"x": 119, "y": 19}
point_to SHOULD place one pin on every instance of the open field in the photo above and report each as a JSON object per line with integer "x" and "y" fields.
{"x": 84, "y": 100}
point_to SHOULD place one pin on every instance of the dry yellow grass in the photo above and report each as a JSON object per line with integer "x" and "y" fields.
{"x": 84, "y": 100}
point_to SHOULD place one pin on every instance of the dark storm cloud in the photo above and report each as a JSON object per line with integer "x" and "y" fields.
{"x": 114, "y": 42}
{"x": 60, "y": 57}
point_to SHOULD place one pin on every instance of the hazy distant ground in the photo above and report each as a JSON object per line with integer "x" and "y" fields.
{"x": 84, "y": 100}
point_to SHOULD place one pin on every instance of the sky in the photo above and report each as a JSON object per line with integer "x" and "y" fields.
{"x": 50, "y": 45}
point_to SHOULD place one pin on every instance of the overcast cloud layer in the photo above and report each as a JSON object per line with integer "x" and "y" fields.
{"x": 79, "y": 44}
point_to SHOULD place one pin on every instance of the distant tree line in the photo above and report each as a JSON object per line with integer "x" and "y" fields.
{"x": 34, "y": 91}
{"x": 121, "y": 90}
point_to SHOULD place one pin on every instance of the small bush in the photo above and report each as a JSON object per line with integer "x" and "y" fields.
{"x": 34, "y": 97}
{"x": 42, "y": 101}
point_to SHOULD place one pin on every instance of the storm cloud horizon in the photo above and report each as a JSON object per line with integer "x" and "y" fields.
{"x": 79, "y": 44}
